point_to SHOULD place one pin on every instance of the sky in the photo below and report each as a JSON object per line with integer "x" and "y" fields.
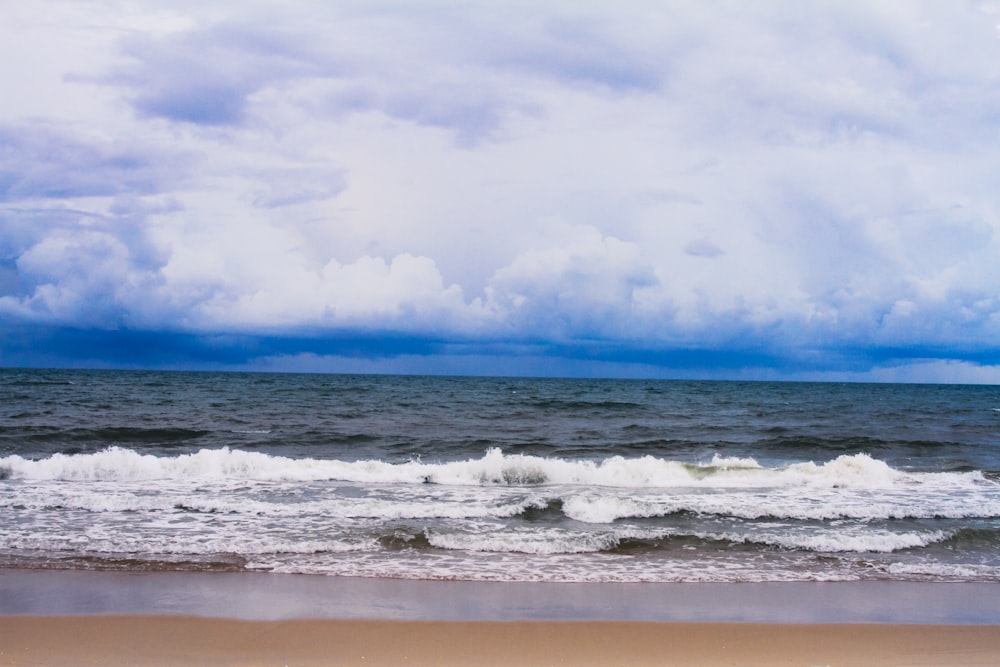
{"x": 788, "y": 190}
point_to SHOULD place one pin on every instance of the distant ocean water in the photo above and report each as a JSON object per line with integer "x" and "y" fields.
{"x": 499, "y": 478}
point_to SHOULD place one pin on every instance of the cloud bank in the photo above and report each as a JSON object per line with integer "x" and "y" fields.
{"x": 795, "y": 190}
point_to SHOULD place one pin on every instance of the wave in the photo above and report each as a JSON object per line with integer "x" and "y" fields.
{"x": 630, "y": 540}
{"x": 340, "y": 508}
{"x": 555, "y": 404}
{"x": 539, "y": 509}
{"x": 945, "y": 571}
{"x": 240, "y": 544}
{"x": 494, "y": 468}
{"x": 784, "y": 504}
{"x": 111, "y": 434}
{"x": 37, "y": 383}
{"x": 117, "y": 544}
{"x": 548, "y": 542}
{"x": 112, "y": 563}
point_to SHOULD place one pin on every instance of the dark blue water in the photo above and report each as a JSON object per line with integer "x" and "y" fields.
{"x": 499, "y": 478}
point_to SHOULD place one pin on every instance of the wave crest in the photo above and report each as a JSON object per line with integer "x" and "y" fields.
{"x": 493, "y": 468}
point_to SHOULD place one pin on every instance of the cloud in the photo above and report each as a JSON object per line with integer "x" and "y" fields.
{"x": 42, "y": 162}
{"x": 107, "y": 279}
{"x": 449, "y": 68}
{"x": 85, "y": 278}
{"x": 799, "y": 188}
{"x": 405, "y": 294}
{"x": 288, "y": 187}
{"x": 230, "y": 73}
{"x": 205, "y": 76}
{"x": 9, "y": 278}
{"x": 582, "y": 51}
{"x": 703, "y": 248}
{"x": 591, "y": 286}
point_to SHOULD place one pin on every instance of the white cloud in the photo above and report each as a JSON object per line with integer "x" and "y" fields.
{"x": 590, "y": 287}
{"x": 406, "y": 294}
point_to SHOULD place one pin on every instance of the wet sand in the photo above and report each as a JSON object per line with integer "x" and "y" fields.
{"x": 271, "y": 597}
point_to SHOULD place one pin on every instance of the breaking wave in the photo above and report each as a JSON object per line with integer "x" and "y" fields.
{"x": 493, "y": 468}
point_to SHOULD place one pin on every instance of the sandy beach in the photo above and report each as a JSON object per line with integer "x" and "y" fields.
{"x": 175, "y": 618}
{"x": 170, "y": 640}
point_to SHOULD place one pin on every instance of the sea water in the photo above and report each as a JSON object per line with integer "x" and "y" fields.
{"x": 499, "y": 478}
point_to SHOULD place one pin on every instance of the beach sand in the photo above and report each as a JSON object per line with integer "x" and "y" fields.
{"x": 186, "y": 640}
{"x": 170, "y": 618}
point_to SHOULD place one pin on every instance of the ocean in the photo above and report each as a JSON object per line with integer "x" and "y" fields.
{"x": 499, "y": 479}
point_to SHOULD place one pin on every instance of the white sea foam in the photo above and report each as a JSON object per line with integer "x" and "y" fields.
{"x": 548, "y": 567}
{"x": 494, "y": 486}
{"x": 605, "y": 509}
{"x": 732, "y": 462}
{"x": 783, "y": 503}
{"x": 533, "y": 542}
{"x": 110, "y": 542}
{"x": 875, "y": 541}
{"x": 569, "y": 542}
{"x": 494, "y": 468}
{"x": 937, "y": 571}
{"x": 165, "y": 499}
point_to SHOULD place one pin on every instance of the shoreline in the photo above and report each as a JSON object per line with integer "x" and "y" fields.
{"x": 272, "y": 597}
